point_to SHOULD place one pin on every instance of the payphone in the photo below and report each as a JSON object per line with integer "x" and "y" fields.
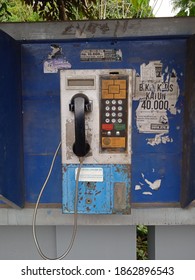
{"x": 96, "y": 127}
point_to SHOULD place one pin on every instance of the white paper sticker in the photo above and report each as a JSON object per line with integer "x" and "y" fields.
{"x": 55, "y": 60}
{"x": 90, "y": 174}
{"x": 157, "y": 94}
{"x": 101, "y": 55}
{"x": 154, "y": 185}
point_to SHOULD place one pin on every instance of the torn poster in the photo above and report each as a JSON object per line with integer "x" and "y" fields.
{"x": 55, "y": 60}
{"x": 151, "y": 185}
{"x": 157, "y": 94}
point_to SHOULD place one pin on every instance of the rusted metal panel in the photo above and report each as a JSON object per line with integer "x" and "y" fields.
{"x": 109, "y": 196}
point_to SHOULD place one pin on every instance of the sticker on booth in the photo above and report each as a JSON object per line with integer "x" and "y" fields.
{"x": 157, "y": 94}
{"x": 101, "y": 55}
{"x": 55, "y": 60}
{"x": 148, "y": 186}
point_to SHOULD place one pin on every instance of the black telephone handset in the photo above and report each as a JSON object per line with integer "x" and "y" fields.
{"x": 80, "y": 104}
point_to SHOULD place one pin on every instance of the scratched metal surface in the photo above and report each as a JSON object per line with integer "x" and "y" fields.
{"x": 70, "y": 30}
{"x": 140, "y": 41}
{"x": 41, "y": 106}
{"x": 107, "y": 197}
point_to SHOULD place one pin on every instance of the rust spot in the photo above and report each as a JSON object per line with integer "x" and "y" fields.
{"x": 64, "y": 169}
{"x": 123, "y": 169}
{"x": 97, "y": 193}
{"x": 91, "y": 185}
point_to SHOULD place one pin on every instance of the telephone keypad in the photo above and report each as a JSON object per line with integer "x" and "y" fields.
{"x": 112, "y": 113}
{"x": 113, "y": 120}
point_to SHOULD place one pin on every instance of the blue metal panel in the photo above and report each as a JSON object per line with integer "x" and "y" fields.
{"x": 42, "y": 113}
{"x": 188, "y": 176}
{"x": 11, "y": 149}
{"x": 164, "y": 163}
{"x": 148, "y": 169}
{"x": 35, "y": 180}
{"x": 97, "y": 197}
{"x": 161, "y": 162}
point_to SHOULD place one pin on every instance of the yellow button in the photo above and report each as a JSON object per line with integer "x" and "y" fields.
{"x": 106, "y": 94}
{"x": 107, "y": 83}
{"x": 121, "y": 83}
{"x": 121, "y": 94}
{"x": 113, "y": 142}
{"x": 114, "y": 89}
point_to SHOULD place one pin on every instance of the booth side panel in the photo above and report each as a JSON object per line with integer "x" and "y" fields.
{"x": 188, "y": 177}
{"x": 11, "y": 142}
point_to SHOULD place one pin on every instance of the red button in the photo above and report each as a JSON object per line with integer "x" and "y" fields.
{"x": 106, "y": 126}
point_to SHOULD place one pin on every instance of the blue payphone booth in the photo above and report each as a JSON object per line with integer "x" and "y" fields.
{"x": 145, "y": 75}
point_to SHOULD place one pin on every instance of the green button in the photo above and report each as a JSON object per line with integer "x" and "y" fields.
{"x": 120, "y": 126}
